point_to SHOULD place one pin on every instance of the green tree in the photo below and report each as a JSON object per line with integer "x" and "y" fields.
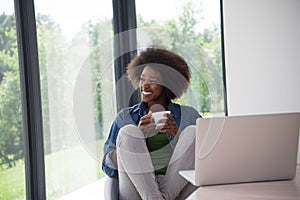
{"x": 11, "y": 132}
{"x": 98, "y": 35}
{"x": 11, "y": 140}
{"x": 201, "y": 49}
{"x": 49, "y": 46}
{"x": 8, "y": 43}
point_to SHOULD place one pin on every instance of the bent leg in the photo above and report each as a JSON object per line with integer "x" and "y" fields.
{"x": 136, "y": 173}
{"x": 183, "y": 158}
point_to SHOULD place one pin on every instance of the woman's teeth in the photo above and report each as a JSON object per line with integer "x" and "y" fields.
{"x": 146, "y": 93}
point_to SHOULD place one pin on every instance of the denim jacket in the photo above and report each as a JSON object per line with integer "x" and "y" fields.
{"x": 183, "y": 115}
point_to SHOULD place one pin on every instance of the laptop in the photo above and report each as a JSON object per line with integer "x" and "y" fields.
{"x": 240, "y": 149}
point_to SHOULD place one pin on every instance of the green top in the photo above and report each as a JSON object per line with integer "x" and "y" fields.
{"x": 160, "y": 152}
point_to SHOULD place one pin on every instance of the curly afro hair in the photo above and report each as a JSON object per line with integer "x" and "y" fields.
{"x": 174, "y": 70}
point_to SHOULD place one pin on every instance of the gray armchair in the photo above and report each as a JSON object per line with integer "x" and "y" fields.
{"x": 111, "y": 188}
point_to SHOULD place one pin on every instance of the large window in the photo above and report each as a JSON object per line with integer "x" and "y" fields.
{"x": 79, "y": 78}
{"x": 74, "y": 45}
{"x": 12, "y": 170}
{"x": 191, "y": 28}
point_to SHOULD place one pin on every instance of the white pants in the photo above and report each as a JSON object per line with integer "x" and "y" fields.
{"x": 136, "y": 173}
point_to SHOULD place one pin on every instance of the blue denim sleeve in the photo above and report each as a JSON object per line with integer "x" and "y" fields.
{"x": 109, "y": 147}
{"x": 123, "y": 117}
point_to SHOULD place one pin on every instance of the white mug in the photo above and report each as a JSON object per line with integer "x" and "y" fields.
{"x": 158, "y": 116}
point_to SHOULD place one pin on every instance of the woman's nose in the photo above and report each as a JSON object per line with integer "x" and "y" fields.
{"x": 145, "y": 84}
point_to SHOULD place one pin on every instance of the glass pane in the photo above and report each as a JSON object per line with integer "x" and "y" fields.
{"x": 75, "y": 57}
{"x": 192, "y": 29}
{"x": 12, "y": 167}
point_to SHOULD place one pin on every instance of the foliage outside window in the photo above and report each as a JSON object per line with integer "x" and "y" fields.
{"x": 188, "y": 35}
{"x": 12, "y": 184}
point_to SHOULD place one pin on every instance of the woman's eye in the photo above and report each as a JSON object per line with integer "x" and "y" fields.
{"x": 153, "y": 81}
{"x": 143, "y": 80}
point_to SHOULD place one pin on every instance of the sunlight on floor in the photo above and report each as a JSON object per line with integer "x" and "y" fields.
{"x": 93, "y": 191}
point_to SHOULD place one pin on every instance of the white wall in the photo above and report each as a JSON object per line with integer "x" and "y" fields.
{"x": 262, "y": 54}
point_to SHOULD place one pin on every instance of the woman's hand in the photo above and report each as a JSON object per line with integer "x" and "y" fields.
{"x": 146, "y": 124}
{"x": 169, "y": 127}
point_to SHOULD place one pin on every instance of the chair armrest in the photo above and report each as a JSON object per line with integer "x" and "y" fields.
{"x": 111, "y": 188}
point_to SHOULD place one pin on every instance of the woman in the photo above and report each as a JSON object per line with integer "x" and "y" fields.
{"x": 147, "y": 158}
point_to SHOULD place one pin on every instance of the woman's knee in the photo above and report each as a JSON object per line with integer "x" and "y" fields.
{"x": 130, "y": 136}
{"x": 129, "y": 131}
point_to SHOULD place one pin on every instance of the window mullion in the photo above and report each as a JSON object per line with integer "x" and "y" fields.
{"x": 31, "y": 100}
{"x": 223, "y": 57}
{"x": 125, "y": 46}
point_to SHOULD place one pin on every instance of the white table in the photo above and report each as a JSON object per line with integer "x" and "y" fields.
{"x": 274, "y": 190}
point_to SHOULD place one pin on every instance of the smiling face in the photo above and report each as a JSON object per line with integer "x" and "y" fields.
{"x": 151, "y": 87}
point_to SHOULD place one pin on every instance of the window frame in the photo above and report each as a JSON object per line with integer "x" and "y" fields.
{"x": 223, "y": 57}
{"x": 124, "y": 21}
{"x": 31, "y": 100}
